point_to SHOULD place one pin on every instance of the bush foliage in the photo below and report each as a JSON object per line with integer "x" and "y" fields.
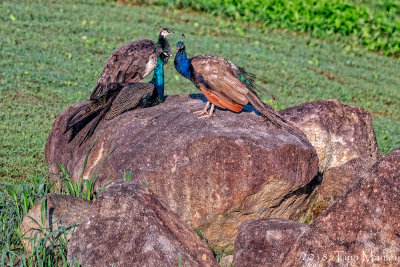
{"x": 373, "y": 24}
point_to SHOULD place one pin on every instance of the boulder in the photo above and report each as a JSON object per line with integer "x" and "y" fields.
{"x": 214, "y": 173}
{"x": 129, "y": 226}
{"x": 62, "y": 210}
{"x": 336, "y": 181}
{"x": 338, "y": 132}
{"x": 264, "y": 242}
{"x": 362, "y": 228}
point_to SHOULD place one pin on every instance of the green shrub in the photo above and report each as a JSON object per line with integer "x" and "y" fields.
{"x": 375, "y": 25}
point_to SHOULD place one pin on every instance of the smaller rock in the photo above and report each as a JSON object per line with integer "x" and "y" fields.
{"x": 338, "y": 132}
{"x": 62, "y": 210}
{"x": 264, "y": 242}
{"x": 336, "y": 181}
{"x": 129, "y": 226}
{"x": 362, "y": 228}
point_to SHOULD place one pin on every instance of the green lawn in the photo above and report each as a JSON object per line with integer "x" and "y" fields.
{"x": 52, "y": 53}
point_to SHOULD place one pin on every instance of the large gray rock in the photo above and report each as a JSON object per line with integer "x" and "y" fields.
{"x": 338, "y": 132}
{"x": 214, "y": 173}
{"x": 62, "y": 211}
{"x": 264, "y": 242}
{"x": 362, "y": 228}
{"x": 129, "y": 226}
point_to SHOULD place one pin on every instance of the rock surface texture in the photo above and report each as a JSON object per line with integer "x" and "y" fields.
{"x": 337, "y": 180}
{"x": 338, "y": 132}
{"x": 129, "y": 226}
{"x": 264, "y": 242}
{"x": 362, "y": 228}
{"x": 62, "y": 210}
{"x": 214, "y": 173}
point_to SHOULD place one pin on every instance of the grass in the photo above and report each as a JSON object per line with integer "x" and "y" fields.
{"x": 48, "y": 246}
{"x": 52, "y": 53}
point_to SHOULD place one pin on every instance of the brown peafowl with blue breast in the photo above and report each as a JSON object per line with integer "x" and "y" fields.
{"x": 226, "y": 85}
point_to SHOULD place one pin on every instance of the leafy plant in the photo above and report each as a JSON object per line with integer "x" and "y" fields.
{"x": 15, "y": 201}
{"x": 49, "y": 247}
{"x": 84, "y": 188}
{"x": 374, "y": 25}
{"x": 220, "y": 252}
{"x": 126, "y": 176}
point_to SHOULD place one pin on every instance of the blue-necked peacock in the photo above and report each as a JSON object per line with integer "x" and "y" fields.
{"x": 225, "y": 85}
{"x": 120, "y": 97}
{"x": 131, "y": 63}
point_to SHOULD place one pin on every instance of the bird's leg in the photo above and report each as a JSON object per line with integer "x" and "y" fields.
{"x": 210, "y": 114}
{"x": 204, "y": 111}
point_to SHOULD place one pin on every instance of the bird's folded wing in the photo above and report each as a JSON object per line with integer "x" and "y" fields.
{"x": 216, "y": 75}
{"x": 130, "y": 97}
{"x": 127, "y": 64}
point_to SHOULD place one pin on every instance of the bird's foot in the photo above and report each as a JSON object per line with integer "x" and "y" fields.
{"x": 206, "y": 116}
{"x": 203, "y": 111}
{"x": 210, "y": 114}
{"x": 200, "y": 112}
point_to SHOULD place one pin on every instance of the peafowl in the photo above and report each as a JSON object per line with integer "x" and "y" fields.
{"x": 225, "y": 85}
{"x": 131, "y": 63}
{"x": 120, "y": 97}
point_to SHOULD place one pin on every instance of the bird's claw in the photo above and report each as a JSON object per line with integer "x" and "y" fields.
{"x": 199, "y": 112}
{"x": 206, "y": 116}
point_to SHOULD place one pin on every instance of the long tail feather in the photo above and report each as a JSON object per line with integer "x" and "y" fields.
{"x": 249, "y": 79}
{"x": 78, "y": 125}
{"x": 75, "y": 117}
{"x": 96, "y": 111}
{"x": 94, "y": 124}
{"x": 270, "y": 114}
{"x": 260, "y": 89}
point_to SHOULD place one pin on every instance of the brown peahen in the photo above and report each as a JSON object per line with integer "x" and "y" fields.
{"x": 131, "y": 63}
{"x": 119, "y": 97}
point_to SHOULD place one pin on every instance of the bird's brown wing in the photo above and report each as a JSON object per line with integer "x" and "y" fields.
{"x": 218, "y": 76}
{"x": 130, "y": 63}
{"x": 130, "y": 97}
{"x": 215, "y": 74}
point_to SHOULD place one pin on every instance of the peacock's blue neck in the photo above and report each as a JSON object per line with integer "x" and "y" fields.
{"x": 181, "y": 64}
{"x": 158, "y": 79}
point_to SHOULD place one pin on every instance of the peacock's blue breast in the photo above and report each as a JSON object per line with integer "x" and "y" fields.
{"x": 181, "y": 64}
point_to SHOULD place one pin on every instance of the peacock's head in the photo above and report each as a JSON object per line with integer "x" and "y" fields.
{"x": 165, "y": 55}
{"x": 180, "y": 45}
{"x": 165, "y": 31}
